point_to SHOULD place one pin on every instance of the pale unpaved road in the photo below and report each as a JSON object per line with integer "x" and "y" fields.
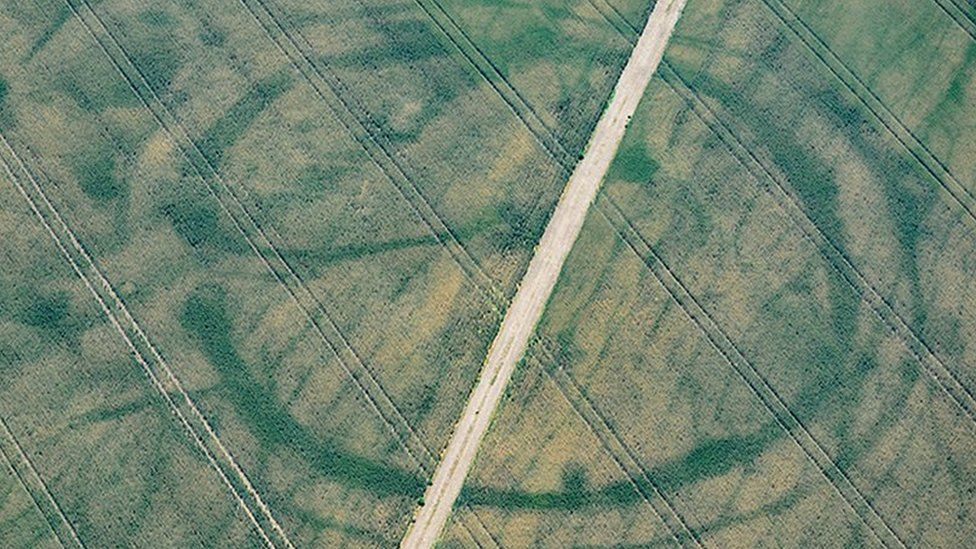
{"x": 540, "y": 278}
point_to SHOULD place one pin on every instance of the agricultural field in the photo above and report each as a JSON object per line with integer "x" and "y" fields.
{"x": 763, "y": 335}
{"x": 253, "y": 256}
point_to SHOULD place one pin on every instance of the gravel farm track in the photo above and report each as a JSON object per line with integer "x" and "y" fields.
{"x": 540, "y": 278}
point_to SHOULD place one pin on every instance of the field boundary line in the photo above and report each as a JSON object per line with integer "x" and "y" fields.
{"x": 932, "y": 164}
{"x": 147, "y": 369}
{"x": 745, "y": 370}
{"x": 405, "y": 440}
{"x": 830, "y": 251}
{"x": 539, "y": 280}
{"x": 9, "y": 435}
{"x": 368, "y": 134}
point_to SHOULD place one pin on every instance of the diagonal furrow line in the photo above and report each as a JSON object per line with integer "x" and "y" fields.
{"x": 956, "y": 12}
{"x": 908, "y": 140}
{"x": 621, "y": 454}
{"x": 366, "y": 132}
{"x": 544, "y": 135}
{"x": 112, "y": 317}
{"x": 966, "y": 8}
{"x": 30, "y": 495}
{"x": 9, "y": 435}
{"x": 618, "y": 19}
{"x": 481, "y": 524}
{"x": 835, "y": 256}
{"x": 747, "y": 372}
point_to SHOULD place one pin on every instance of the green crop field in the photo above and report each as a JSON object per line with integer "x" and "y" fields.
{"x": 253, "y": 253}
{"x": 763, "y": 335}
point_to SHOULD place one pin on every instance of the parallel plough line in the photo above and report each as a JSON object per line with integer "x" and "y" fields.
{"x": 622, "y": 455}
{"x": 37, "y": 506}
{"x": 966, "y": 24}
{"x": 544, "y": 135}
{"x": 955, "y": 390}
{"x": 9, "y": 435}
{"x": 153, "y": 378}
{"x": 510, "y": 95}
{"x": 484, "y": 278}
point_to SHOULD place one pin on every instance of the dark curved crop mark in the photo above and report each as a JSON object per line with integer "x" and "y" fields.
{"x": 205, "y": 316}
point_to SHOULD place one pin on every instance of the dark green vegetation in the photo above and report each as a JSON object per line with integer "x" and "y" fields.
{"x": 205, "y": 316}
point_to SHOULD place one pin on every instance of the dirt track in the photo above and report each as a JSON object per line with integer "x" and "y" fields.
{"x": 540, "y": 278}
